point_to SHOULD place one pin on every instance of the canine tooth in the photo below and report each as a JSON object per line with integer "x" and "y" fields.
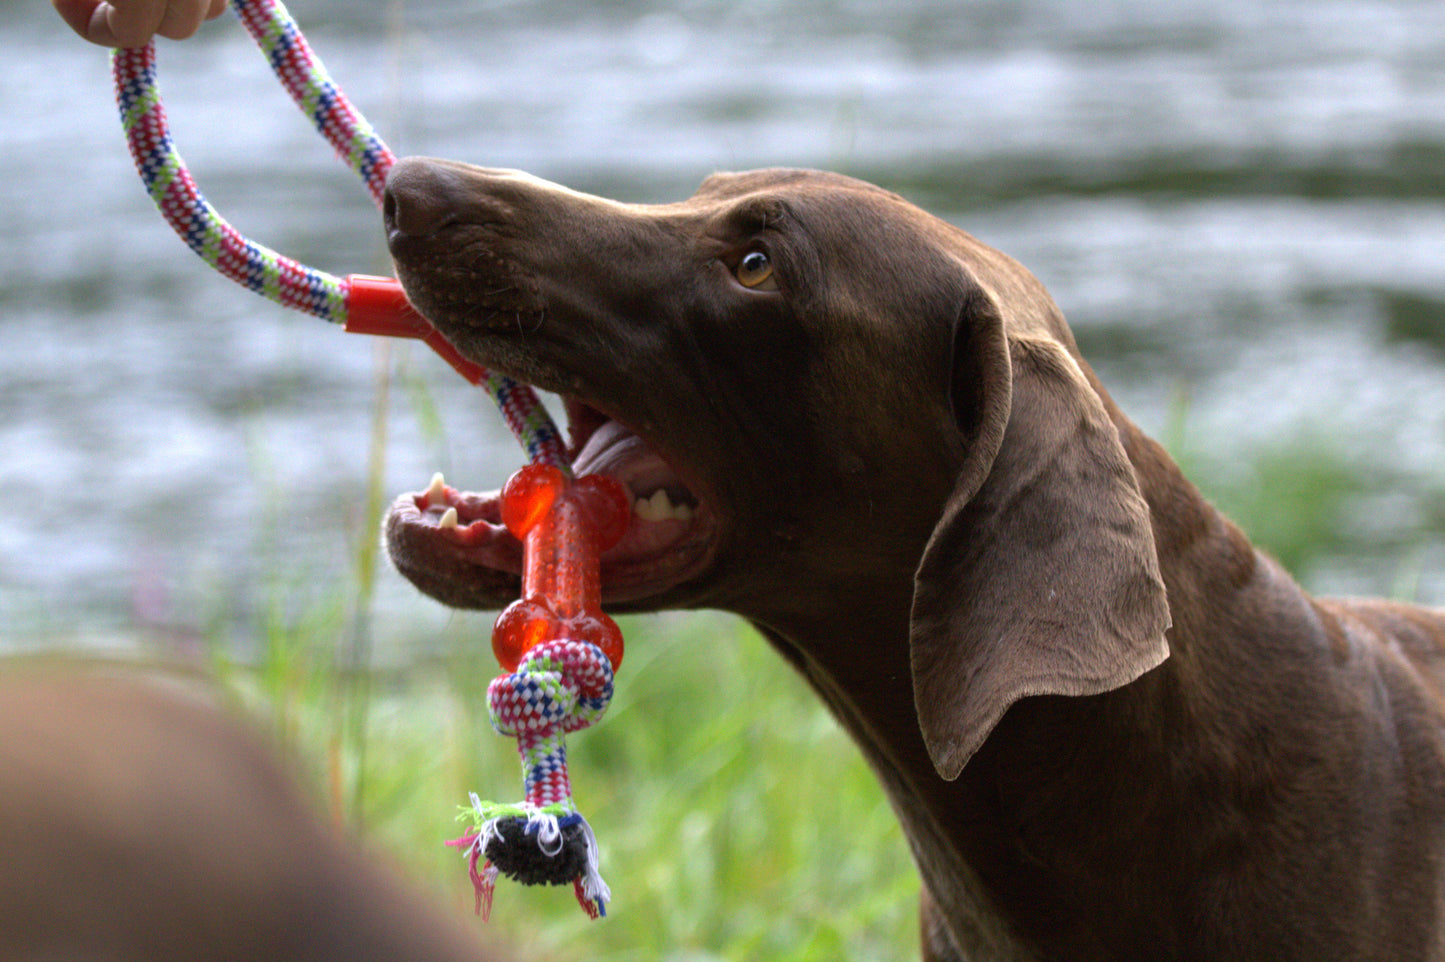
{"x": 449, "y": 519}
{"x": 437, "y": 490}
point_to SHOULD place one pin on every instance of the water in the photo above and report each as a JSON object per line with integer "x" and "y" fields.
{"x": 1238, "y": 203}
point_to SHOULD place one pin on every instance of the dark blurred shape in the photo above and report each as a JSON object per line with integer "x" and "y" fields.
{"x": 140, "y": 821}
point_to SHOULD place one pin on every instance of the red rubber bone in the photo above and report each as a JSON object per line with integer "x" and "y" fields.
{"x": 564, "y": 526}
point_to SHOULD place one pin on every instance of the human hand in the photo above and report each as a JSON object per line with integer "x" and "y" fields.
{"x": 131, "y": 23}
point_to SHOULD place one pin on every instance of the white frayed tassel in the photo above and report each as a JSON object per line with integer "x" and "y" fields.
{"x": 485, "y": 832}
{"x": 544, "y": 825}
{"x": 549, "y": 833}
{"x": 592, "y": 885}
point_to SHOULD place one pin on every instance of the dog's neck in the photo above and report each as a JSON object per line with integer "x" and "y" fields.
{"x": 990, "y": 844}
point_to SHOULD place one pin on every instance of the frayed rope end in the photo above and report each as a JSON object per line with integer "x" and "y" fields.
{"x": 533, "y": 846}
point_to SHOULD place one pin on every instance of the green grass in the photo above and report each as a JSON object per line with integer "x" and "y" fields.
{"x": 1315, "y": 505}
{"x": 735, "y": 819}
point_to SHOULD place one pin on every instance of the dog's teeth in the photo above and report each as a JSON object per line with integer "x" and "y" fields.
{"x": 449, "y": 518}
{"x": 659, "y": 507}
{"x": 436, "y": 492}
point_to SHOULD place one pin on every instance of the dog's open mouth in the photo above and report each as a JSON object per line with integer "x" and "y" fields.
{"x": 670, "y": 538}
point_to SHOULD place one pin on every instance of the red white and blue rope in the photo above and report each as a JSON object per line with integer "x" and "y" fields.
{"x": 560, "y": 686}
{"x": 306, "y": 80}
{"x": 254, "y": 266}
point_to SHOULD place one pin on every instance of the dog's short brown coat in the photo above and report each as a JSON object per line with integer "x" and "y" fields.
{"x": 1110, "y": 727}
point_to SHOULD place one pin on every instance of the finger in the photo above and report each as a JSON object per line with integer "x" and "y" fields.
{"x": 80, "y": 14}
{"x": 76, "y": 13}
{"x": 132, "y": 23}
{"x": 181, "y": 18}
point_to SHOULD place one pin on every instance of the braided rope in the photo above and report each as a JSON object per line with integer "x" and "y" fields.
{"x": 181, "y": 203}
{"x": 560, "y": 686}
{"x": 252, "y": 265}
{"x": 310, "y": 86}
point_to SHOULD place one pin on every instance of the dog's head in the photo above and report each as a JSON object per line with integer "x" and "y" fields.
{"x": 851, "y": 409}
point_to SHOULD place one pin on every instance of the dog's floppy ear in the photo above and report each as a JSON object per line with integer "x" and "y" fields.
{"x": 1041, "y": 576}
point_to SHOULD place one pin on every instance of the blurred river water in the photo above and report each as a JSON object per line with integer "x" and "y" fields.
{"x": 1239, "y": 205}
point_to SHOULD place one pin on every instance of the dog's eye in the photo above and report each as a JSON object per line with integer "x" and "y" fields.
{"x": 755, "y": 270}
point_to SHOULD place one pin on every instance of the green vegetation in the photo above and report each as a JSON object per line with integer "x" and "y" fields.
{"x": 735, "y": 819}
{"x": 1318, "y": 507}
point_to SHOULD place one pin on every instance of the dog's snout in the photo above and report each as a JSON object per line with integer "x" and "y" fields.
{"x": 421, "y": 197}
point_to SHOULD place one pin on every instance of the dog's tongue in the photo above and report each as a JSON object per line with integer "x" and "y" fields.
{"x": 615, "y": 451}
{"x": 605, "y": 449}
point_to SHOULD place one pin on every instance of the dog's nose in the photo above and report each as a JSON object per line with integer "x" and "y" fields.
{"x": 421, "y": 197}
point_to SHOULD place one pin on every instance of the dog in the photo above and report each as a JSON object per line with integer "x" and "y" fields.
{"x": 1111, "y": 728}
{"x": 141, "y": 821}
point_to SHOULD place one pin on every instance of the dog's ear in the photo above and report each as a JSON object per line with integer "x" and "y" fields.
{"x": 1041, "y": 576}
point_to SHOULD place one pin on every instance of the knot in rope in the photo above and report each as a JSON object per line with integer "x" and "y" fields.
{"x": 559, "y": 683}
{"x": 560, "y": 686}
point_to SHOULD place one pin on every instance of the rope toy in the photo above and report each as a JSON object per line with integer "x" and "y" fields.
{"x": 561, "y": 651}
{"x": 556, "y": 646}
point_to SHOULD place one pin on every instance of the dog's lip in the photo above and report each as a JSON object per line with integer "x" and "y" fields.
{"x": 653, "y": 555}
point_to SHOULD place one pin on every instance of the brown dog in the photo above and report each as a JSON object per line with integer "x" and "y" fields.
{"x": 1110, "y": 727}
{"x": 140, "y": 822}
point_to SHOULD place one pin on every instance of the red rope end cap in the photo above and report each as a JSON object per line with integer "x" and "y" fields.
{"x": 378, "y": 305}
